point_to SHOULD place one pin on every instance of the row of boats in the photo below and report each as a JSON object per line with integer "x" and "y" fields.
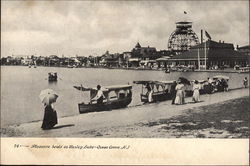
{"x": 120, "y": 96}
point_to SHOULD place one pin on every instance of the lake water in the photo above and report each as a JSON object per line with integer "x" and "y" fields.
{"x": 21, "y": 86}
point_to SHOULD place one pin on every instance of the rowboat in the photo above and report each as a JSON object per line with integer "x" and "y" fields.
{"x": 160, "y": 90}
{"x": 52, "y": 77}
{"x": 116, "y": 96}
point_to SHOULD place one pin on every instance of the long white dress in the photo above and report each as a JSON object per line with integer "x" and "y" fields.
{"x": 179, "y": 99}
{"x": 196, "y": 93}
{"x": 150, "y": 96}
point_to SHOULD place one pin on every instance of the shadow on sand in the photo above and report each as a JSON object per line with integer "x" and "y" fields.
{"x": 192, "y": 102}
{"x": 62, "y": 126}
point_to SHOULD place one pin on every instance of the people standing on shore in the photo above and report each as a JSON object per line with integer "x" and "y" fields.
{"x": 50, "y": 117}
{"x": 179, "y": 99}
{"x": 245, "y": 82}
{"x": 149, "y": 93}
{"x": 173, "y": 92}
{"x": 224, "y": 84}
{"x": 196, "y": 92}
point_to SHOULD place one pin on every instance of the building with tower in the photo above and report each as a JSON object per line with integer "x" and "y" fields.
{"x": 210, "y": 55}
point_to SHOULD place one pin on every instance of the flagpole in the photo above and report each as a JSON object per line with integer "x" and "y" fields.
{"x": 205, "y": 57}
{"x": 199, "y": 59}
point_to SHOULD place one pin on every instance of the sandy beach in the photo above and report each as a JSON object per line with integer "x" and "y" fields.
{"x": 220, "y": 115}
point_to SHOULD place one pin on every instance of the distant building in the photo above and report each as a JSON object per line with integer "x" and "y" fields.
{"x": 142, "y": 55}
{"x": 111, "y": 60}
{"x": 217, "y": 55}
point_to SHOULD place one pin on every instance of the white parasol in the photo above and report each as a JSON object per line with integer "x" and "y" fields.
{"x": 48, "y": 96}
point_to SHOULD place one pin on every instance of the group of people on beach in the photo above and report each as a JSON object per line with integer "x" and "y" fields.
{"x": 178, "y": 92}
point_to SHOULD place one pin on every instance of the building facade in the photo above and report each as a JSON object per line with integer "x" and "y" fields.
{"x": 210, "y": 55}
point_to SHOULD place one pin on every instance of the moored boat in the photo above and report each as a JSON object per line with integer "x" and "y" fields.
{"x": 116, "y": 96}
{"x": 154, "y": 91}
{"x": 219, "y": 83}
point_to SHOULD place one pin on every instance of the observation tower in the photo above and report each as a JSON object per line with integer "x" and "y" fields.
{"x": 182, "y": 38}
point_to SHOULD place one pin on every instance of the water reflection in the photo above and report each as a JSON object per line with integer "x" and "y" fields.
{"x": 52, "y": 83}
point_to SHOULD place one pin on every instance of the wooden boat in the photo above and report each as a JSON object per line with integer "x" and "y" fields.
{"x": 52, "y": 77}
{"x": 160, "y": 90}
{"x": 117, "y": 96}
{"x": 221, "y": 83}
{"x": 217, "y": 84}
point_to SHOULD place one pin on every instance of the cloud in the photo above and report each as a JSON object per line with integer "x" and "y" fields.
{"x": 87, "y": 27}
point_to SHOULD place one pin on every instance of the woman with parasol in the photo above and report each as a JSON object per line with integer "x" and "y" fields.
{"x": 48, "y": 97}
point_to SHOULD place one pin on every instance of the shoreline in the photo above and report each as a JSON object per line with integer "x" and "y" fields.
{"x": 76, "y": 126}
{"x": 228, "y": 70}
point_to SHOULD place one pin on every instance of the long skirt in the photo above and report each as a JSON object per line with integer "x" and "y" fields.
{"x": 49, "y": 119}
{"x": 196, "y": 95}
{"x": 179, "y": 99}
{"x": 150, "y": 97}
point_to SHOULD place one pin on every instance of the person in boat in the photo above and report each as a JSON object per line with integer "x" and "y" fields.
{"x": 196, "y": 91}
{"x": 149, "y": 93}
{"x": 50, "y": 117}
{"x": 99, "y": 96}
{"x": 179, "y": 99}
{"x": 245, "y": 82}
{"x": 173, "y": 91}
{"x": 209, "y": 80}
{"x": 55, "y": 76}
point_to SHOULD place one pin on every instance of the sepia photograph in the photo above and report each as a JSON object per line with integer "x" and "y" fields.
{"x": 125, "y": 69}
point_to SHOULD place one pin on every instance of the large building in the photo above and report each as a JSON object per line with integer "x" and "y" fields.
{"x": 142, "y": 55}
{"x": 212, "y": 54}
{"x": 244, "y": 49}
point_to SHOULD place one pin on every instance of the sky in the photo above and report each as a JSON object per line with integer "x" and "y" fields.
{"x": 86, "y": 28}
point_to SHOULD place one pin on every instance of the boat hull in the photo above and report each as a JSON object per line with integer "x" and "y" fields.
{"x": 106, "y": 106}
{"x": 52, "y": 78}
{"x": 161, "y": 96}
